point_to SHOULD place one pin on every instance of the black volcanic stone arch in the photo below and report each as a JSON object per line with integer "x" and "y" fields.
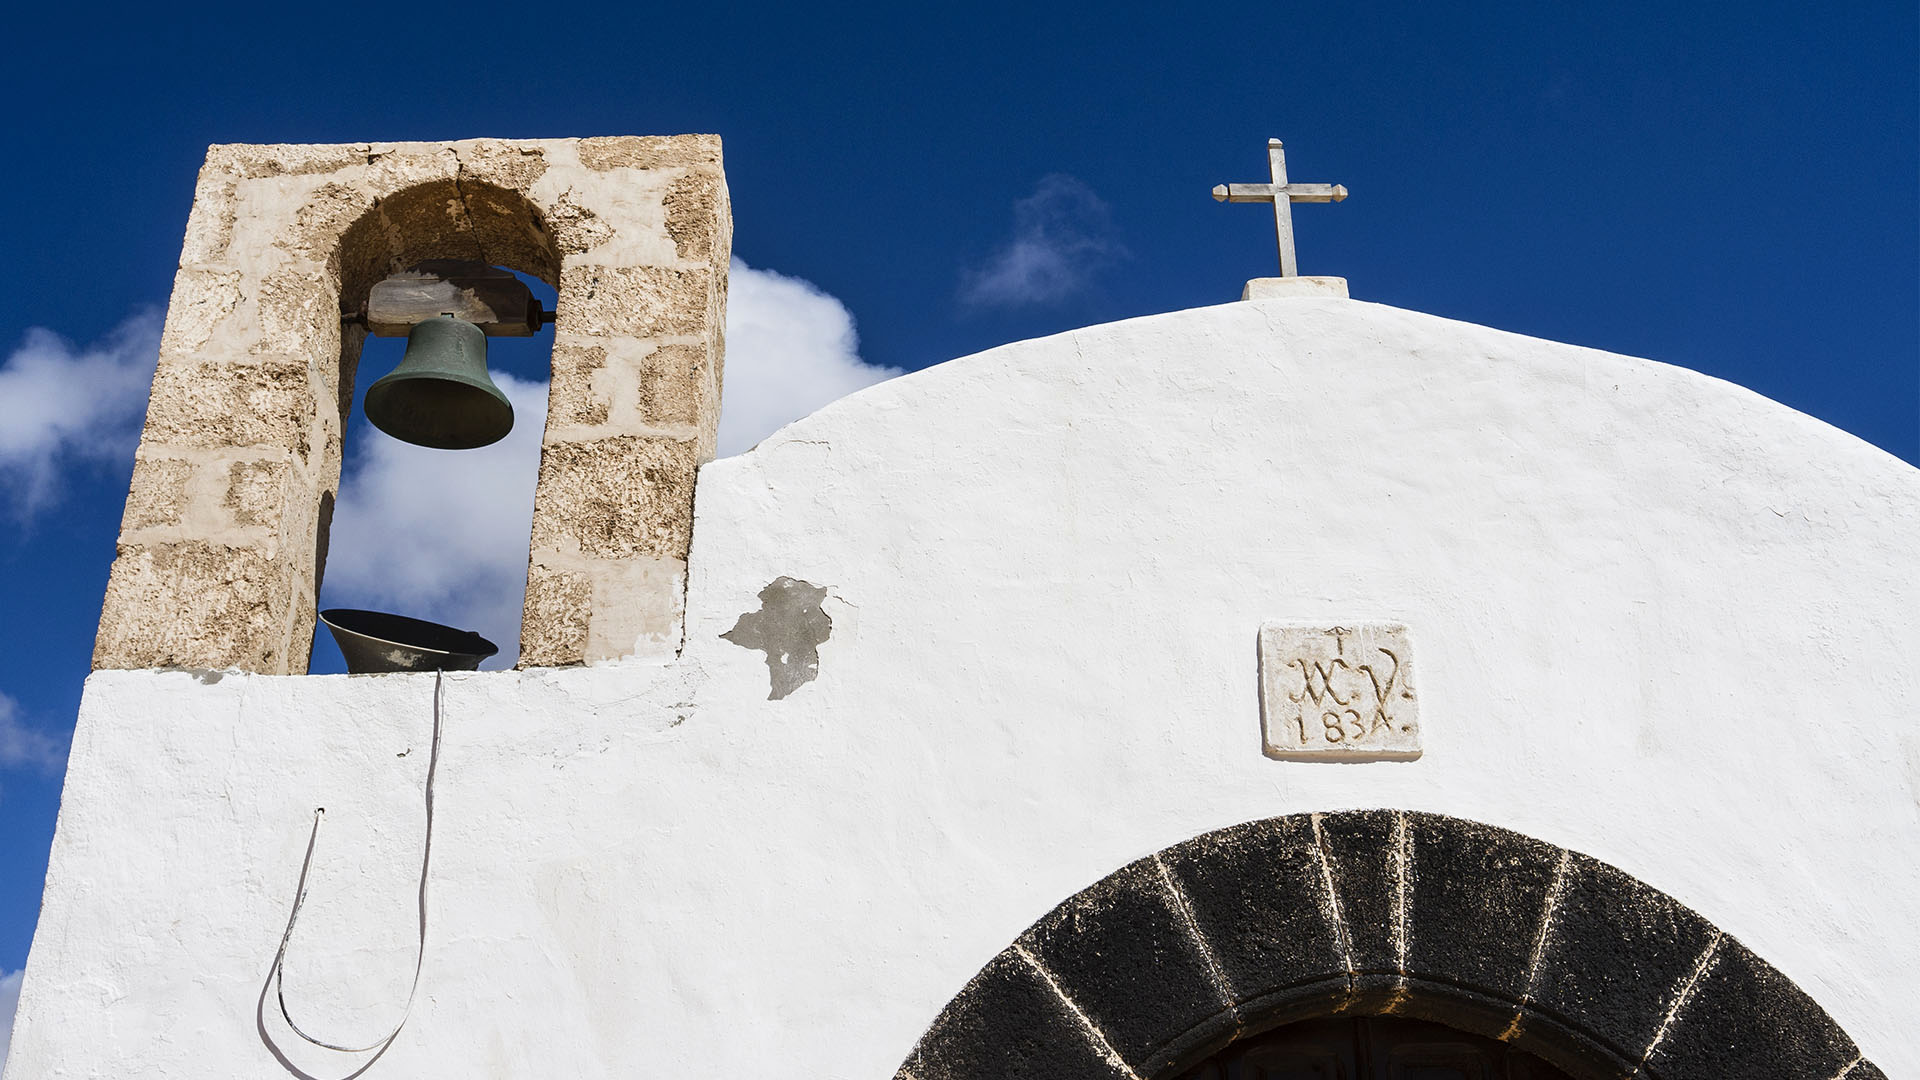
{"x": 1379, "y": 912}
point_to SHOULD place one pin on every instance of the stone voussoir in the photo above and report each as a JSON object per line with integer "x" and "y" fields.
{"x": 1476, "y": 906}
{"x": 1742, "y": 1017}
{"x": 1258, "y": 897}
{"x": 1124, "y": 952}
{"x": 1614, "y": 955}
{"x": 1008, "y": 1024}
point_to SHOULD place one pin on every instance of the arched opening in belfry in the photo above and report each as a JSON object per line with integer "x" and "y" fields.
{"x": 220, "y": 563}
{"x": 426, "y": 542}
{"x": 439, "y": 534}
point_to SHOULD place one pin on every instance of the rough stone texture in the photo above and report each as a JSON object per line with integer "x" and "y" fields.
{"x": 1258, "y": 896}
{"x": 1475, "y": 899}
{"x": 615, "y": 498}
{"x": 636, "y": 301}
{"x": 1008, "y": 1024}
{"x": 1240, "y": 934}
{"x": 209, "y": 404}
{"x": 1614, "y": 955}
{"x": 258, "y": 492}
{"x": 1366, "y": 866}
{"x": 1744, "y": 1018}
{"x": 255, "y": 372}
{"x": 676, "y": 385}
{"x": 228, "y": 605}
{"x": 1124, "y": 953}
{"x": 573, "y": 398}
{"x": 693, "y": 219}
{"x": 649, "y": 151}
{"x": 158, "y": 494}
{"x": 561, "y": 602}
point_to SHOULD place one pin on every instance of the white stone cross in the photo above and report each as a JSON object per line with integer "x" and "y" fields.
{"x": 1282, "y": 195}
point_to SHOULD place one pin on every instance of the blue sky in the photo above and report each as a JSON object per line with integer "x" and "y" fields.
{"x": 1729, "y": 187}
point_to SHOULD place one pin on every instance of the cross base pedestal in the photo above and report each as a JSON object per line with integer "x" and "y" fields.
{"x": 1274, "y": 288}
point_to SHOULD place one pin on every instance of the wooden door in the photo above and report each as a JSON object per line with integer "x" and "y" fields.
{"x": 1371, "y": 1048}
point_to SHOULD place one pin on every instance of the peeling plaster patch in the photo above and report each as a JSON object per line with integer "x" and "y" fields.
{"x": 789, "y": 628}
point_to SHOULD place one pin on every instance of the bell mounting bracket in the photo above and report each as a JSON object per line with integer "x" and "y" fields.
{"x": 490, "y": 298}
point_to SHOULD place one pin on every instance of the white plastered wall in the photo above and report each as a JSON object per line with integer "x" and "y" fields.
{"x": 1657, "y": 619}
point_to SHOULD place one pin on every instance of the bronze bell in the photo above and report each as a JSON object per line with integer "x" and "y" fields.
{"x": 440, "y": 394}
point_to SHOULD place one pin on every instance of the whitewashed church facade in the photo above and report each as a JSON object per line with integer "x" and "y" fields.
{"x": 939, "y": 736}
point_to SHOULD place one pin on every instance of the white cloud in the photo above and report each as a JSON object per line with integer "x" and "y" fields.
{"x": 21, "y": 745}
{"x": 1062, "y": 236}
{"x": 791, "y": 348}
{"x": 60, "y": 403}
{"x": 442, "y": 535}
{"x": 9, "y": 1001}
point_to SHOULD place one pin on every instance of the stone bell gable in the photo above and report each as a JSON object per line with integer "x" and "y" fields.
{"x": 225, "y": 534}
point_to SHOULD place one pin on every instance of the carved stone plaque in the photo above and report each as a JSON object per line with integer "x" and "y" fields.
{"x": 1342, "y": 693}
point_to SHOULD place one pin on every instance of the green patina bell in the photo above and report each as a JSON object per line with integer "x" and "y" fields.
{"x": 440, "y": 395}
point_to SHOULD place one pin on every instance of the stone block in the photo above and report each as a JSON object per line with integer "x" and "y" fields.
{"x": 638, "y": 606}
{"x": 313, "y": 237}
{"x": 1365, "y": 865}
{"x": 215, "y": 403}
{"x": 575, "y": 229}
{"x": 1259, "y": 898}
{"x": 297, "y": 313}
{"x": 615, "y": 498}
{"x": 255, "y": 162}
{"x": 1476, "y": 896}
{"x": 575, "y": 396}
{"x": 676, "y": 387}
{"x": 694, "y": 213}
{"x": 510, "y": 165}
{"x": 195, "y": 605}
{"x": 1008, "y": 1024}
{"x": 649, "y": 151}
{"x": 507, "y": 230}
{"x": 396, "y": 170}
{"x": 157, "y": 495}
{"x": 555, "y": 620}
{"x": 429, "y": 221}
{"x": 1123, "y": 952}
{"x": 210, "y": 223}
{"x": 1615, "y": 955}
{"x": 1744, "y": 1018}
{"x": 1284, "y": 288}
{"x": 636, "y": 301}
{"x": 259, "y": 493}
{"x": 201, "y": 300}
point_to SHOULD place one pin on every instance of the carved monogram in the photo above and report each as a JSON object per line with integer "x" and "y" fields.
{"x": 1338, "y": 692}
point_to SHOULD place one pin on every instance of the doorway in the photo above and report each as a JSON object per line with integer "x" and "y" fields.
{"x": 1371, "y": 1048}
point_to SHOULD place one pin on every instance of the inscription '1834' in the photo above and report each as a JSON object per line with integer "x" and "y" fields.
{"x": 1342, "y": 692}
